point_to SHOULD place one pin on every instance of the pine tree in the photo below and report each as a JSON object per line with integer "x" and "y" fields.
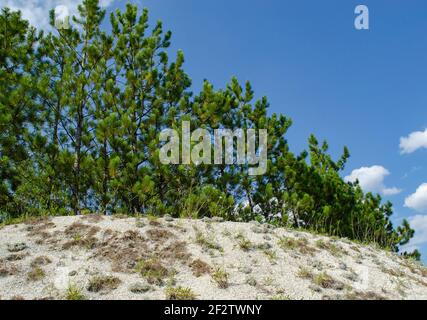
{"x": 81, "y": 111}
{"x": 17, "y": 107}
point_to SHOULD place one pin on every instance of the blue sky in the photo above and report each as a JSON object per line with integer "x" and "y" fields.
{"x": 365, "y": 89}
{"x": 361, "y": 88}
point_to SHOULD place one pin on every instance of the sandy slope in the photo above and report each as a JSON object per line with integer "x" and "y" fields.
{"x": 94, "y": 257}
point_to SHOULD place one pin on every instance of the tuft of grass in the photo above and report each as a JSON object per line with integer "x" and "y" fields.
{"x": 200, "y": 267}
{"x": 16, "y": 257}
{"x": 207, "y": 243}
{"x": 36, "y": 274}
{"x": 268, "y": 281}
{"x": 271, "y": 255}
{"x": 301, "y": 245}
{"x": 7, "y": 268}
{"x": 40, "y": 261}
{"x": 153, "y": 220}
{"x": 332, "y": 248}
{"x": 245, "y": 244}
{"x": 103, "y": 283}
{"x": 180, "y": 293}
{"x": 74, "y": 293}
{"x": 81, "y": 235}
{"x": 158, "y": 234}
{"x": 392, "y": 272}
{"x": 77, "y": 237}
{"x": 327, "y": 282}
{"x": 305, "y": 273}
{"x": 152, "y": 270}
{"x": 220, "y": 277}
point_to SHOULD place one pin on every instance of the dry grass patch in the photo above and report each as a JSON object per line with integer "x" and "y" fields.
{"x": 123, "y": 251}
{"x": 81, "y": 235}
{"x": 36, "y": 274}
{"x": 288, "y": 243}
{"x": 207, "y": 243}
{"x": 180, "y": 293}
{"x": 37, "y": 228}
{"x": 415, "y": 267}
{"x": 200, "y": 267}
{"x": 327, "y": 282}
{"x": 355, "y": 248}
{"x": 153, "y": 271}
{"x": 16, "y": 256}
{"x": 271, "y": 255}
{"x": 244, "y": 243}
{"x": 40, "y": 261}
{"x": 393, "y": 272}
{"x": 175, "y": 251}
{"x": 103, "y": 283}
{"x": 158, "y": 235}
{"x": 77, "y": 228}
{"x": 305, "y": 273}
{"x": 34, "y": 221}
{"x": 8, "y": 269}
{"x": 330, "y": 247}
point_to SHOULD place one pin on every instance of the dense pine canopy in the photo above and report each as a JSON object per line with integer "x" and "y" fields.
{"x": 81, "y": 110}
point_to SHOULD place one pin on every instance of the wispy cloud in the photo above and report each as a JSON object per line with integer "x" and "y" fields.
{"x": 372, "y": 179}
{"x": 37, "y": 11}
{"x": 414, "y": 141}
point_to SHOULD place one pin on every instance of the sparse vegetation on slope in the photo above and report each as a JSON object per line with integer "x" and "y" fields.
{"x": 137, "y": 263}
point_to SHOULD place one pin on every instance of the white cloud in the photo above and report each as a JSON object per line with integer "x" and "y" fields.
{"x": 37, "y": 11}
{"x": 418, "y": 200}
{"x": 391, "y": 191}
{"x": 413, "y": 142}
{"x": 419, "y": 224}
{"x": 372, "y": 179}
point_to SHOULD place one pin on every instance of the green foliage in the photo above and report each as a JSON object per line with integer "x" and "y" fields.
{"x": 179, "y": 293}
{"x": 220, "y": 277}
{"x": 81, "y": 111}
{"x": 74, "y": 293}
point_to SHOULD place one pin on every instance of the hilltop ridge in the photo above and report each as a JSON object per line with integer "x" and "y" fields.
{"x": 102, "y": 257}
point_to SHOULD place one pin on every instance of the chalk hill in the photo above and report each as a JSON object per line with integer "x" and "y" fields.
{"x": 99, "y": 257}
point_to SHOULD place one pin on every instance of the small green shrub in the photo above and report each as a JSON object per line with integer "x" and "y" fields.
{"x": 74, "y": 293}
{"x": 245, "y": 244}
{"x": 180, "y": 293}
{"x": 220, "y": 277}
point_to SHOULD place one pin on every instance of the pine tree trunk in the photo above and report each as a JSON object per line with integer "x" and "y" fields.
{"x": 77, "y": 165}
